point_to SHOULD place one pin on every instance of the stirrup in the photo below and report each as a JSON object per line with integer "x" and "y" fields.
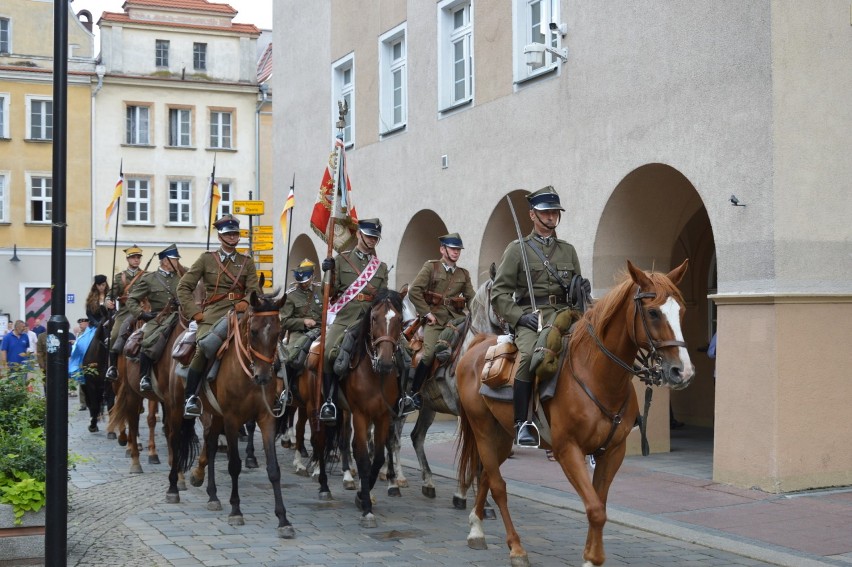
{"x": 328, "y": 412}
{"x": 406, "y": 405}
{"x": 192, "y": 407}
{"x": 529, "y": 432}
{"x": 111, "y": 374}
{"x": 145, "y": 384}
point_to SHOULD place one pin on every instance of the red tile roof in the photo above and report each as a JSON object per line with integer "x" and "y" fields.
{"x": 114, "y": 17}
{"x": 183, "y": 5}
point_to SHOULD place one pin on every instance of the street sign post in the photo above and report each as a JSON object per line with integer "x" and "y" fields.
{"x": 248, "y": 207}
{"x": 262, "y": 229}
{"x": 263, "y": 258}
{"x": 262, "y": 246}
{"x": 270, "y": 238}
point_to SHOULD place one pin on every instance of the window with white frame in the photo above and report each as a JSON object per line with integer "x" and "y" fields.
{"x": 5, "y": 35}
{"x": 4, "y": 196}
{"x": 532, "y": 20}
{"x": 455, "y": 53}
{"x": 4, "y": 115}
{"x": 343, "y": 89}
{"x": 161, "y": 53}
{"x": 137, "y": 196}
{"x": 180, "y": 202}
{"x": 226, "y": 203}
{"x": 40, "y": 203}
{"x": 393, "y": 80}
{"x": 220, "y": 129}
{"x": 40, "y": 118}
{"x": 137, "y": 125}
{"x": 180, "y": 127}
{"x": 199, "y": 56}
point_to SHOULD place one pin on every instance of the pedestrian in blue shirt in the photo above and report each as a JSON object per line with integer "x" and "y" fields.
{"x": 13, "y": 349}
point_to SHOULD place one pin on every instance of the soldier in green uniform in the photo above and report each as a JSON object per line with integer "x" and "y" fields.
{"x": 358, "y": 277}
{"x": 440, "y": 293}
{"x": 122, "y": 284}
{"x": 228, "y": 277}
{"x": 160, "y": 288}
{"x": 552, "y": 264}
{"x": 302, "y": 312}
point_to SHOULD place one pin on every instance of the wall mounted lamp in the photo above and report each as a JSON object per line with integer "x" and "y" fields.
{"x": 14, "y": 257}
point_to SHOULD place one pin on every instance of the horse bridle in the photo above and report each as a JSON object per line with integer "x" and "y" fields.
{"x": 245, "y": 350}
{"x": 373, "y": 343}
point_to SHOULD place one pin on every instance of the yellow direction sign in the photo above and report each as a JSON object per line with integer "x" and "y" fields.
{"x": 263, "y": 258}
{"x": 265, "y": 273}
{"x": 263, "y": 238}
{"x": 243, "y": 233}
{"x": 267, "y": 282}
{"x": 264, "y": 229}
{"x": 262, "y": 246}
{"x": 248, "y": 207}
{"x": 243, "y": 251}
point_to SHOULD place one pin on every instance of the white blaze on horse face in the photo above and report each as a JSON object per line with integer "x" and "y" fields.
{"x": 389, "y": 316}
{"x": 671, "y": 309}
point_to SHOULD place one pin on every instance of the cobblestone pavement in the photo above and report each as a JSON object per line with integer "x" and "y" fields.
{"x": 117, "y": 518}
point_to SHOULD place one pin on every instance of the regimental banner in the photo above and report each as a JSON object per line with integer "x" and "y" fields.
{"x": 262, "y": 246}
{"x": 265, "y": 273}
{"x": 248, "y": 207}
{"x": 263, "y": 258}
{"x": 262, "y": 229}
{"x": 263, "y": 238}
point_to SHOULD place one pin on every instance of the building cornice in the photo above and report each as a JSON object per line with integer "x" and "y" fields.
{"x": 779, "y": 298}
{"x": 177, "y": 83}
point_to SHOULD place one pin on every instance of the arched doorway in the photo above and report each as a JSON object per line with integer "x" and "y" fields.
{"x": 656, "y": 218}
{"x": 419, "y": 243}
{"x": 500, "y": 231}
{"x": 302, "y": 248}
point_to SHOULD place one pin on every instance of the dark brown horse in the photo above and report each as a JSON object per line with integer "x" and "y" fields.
{"x": 593, "y": 408}
{"x": 245, "y": 389}
{"x": 94, "y": 366}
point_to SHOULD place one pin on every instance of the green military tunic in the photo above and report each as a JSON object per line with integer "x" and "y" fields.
{"x": 348, "y": 266}
{"x": 225, "y": 285}
{"x": 510, "y": 296}
{"x": 121, "y": 287}
{"x": 444, "y": 294}
{"x": 159, "y": 288}
{"x": 301, "y": 304}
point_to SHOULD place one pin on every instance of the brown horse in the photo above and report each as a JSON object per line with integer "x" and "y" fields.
{"x": 244, "y": 389}
{"x": 594, "y": 406}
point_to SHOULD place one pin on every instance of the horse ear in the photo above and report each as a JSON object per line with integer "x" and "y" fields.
{"x": 403, "y": 291}
{"x": 261, "y": 280}
{"x": 281, "y": 300}
{"x": 639, "y": 277}
{"x": 677, "y": 274}
{"x": 253, "y": 298}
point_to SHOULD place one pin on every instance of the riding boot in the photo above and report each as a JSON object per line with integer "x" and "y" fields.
{"x": 328, "y": 411}
{"x": 144, "y": 373}
{"x": 192, "y": 408}
{"x": 112, "y": 371}
{"x": 526, "y": 434}
{"x": 412, "y": 400}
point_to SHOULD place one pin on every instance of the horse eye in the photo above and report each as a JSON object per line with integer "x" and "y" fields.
{"x": 654, "y": 313}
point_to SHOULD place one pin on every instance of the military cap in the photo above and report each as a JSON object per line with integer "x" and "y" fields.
{"x": 304, "y": 272}
{"x": 100, "y": 278}
{"x": 227, "y": 223}
{"x": 133, "y": 251}
{"x": 545, "y": 199}
{"x": 170, "y": 252}
{"x": 452, "y": 240}
{"x": 370, "y": 227}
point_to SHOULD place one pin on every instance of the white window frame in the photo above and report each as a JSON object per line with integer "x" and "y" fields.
{"x": 4, "y": 115}
{"x": 199, "y": 56}
{"x": 226, "y": 203}
{"x": 43, "y": 134}
{"x": 526, "y": 32}
{"x": 181, "y": 202}
{"x": 218, "y": 139}
{"x": 182, "y": 138}
{"x": 139, "y": 198}
{"x": 46, "y": 199}
{"x": 391, "y": 68}
{"x": 5, "y": 182}
{"x": 161, "y": 60}
{"x": 138, "y": 128}
{"x": 341, "y": 89}
{"x": 8, "y": 33}
{"x": 448, "y": 37}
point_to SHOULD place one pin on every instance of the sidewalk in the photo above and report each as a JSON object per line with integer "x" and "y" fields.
{"x": 673, "y": 494}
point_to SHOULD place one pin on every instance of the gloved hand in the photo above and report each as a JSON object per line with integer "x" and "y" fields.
{"x": 327, "y": 264}
{"x": 528, "y": 320}
{"x": 192, "y": 327}
{"x": 587, "y": 286}
{"x": 147, "y": 316}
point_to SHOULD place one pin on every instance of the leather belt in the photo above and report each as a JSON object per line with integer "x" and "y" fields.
{"x": 365, "y": 297}
{"x": 552, "y": 300}
{"x": 232, "y": 296}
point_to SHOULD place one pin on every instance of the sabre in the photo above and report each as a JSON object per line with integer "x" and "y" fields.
{"x": 526, "y": 263}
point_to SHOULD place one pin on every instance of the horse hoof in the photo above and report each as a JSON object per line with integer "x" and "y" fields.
{"x": 112, "y": 436}
{"x": 519, "y": 561}
{"x": 122, "y": 441}
{"x": 127, "y": 453}
{"x": 349, "y": 485}
{"x": 235, "y": 520}
{"x": 286, "y": 532}
{"x": 181, "y": 484}
{"x": 153, "y": 459}
{"x": 383, "y": 477}
{"x": 172, "y": 498}
{"x": 402, "y": 482}
{"x": 477, "y": 543}
{"x": 394, "y": 492}
{"x": 325, "y": 495}
{"x": 303, "y": 452}
{"x": 489, "y": 514}
{"x": 196, "y": 481}
{"x": 302, "y": 472}
{"x": 459, "y": 503}
{"x": 251, "y": 463}
{"x": 285, "y": 444}
{"x": 368, "y": 521}
{"x": 429, "y": 492}
{"x": 136, "y": 469}
{"x": 93, "y": 428}
{"x": 216, "y": 506}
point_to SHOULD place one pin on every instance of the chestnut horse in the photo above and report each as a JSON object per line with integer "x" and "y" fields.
{"x": 593, "y": 408}
{"x": 244, "y": 389}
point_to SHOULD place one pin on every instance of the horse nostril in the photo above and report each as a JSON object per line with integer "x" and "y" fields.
{"x": 676, "y": 373}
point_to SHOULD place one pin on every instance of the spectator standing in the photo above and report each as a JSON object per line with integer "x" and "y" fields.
{"x": 13, "y": 349}
{"x": 38, "y": 327}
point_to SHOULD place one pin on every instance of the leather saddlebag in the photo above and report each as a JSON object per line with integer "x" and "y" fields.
{"x": 184, "y": 348}
{"x": 500, "y": 362}
{"x": 134, "y": 343}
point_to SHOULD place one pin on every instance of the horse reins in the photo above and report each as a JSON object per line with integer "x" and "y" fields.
{"x": 245, "y": 351}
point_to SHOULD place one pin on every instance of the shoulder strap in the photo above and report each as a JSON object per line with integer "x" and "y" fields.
{"x": 235, "y": 279}
{"x": 549, "y": 266}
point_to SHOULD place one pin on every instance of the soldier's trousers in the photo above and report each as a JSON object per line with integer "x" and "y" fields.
{"x": 430, "y": 338}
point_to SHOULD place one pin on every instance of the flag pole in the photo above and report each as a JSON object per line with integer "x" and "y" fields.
{"x": 289, "y": 231}
{"x": 210, "y": 196}
{"x": 115, "y": 245}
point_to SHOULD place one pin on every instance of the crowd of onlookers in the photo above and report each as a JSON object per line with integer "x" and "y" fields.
{"x": 18, "y": 343}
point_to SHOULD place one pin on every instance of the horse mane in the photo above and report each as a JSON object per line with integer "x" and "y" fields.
{"x": 364, "y": 329}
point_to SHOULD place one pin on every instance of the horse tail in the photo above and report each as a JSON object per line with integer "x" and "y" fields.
{"x": 119, "y": 414}
{"x": 467, "y": 453}
{"x": 188, "y": 448}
